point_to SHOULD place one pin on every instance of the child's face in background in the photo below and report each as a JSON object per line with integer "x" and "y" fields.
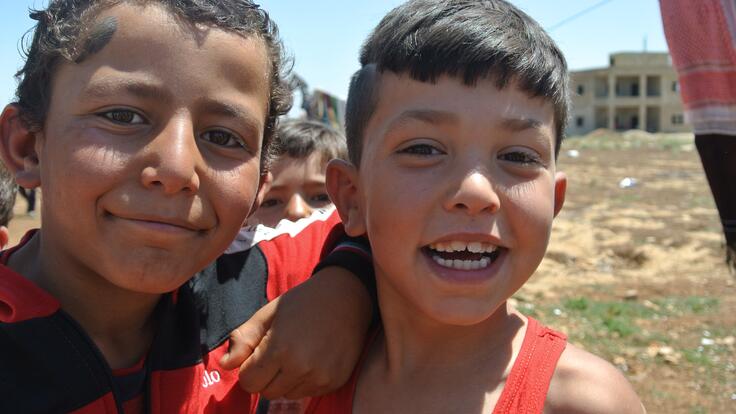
{"x": 296, "y": 190}
{"x": 456, "y": 190}
{"x": 149, "y": 157}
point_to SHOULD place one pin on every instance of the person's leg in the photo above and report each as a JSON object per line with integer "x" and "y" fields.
{"x": 22, "y": 192}
{"x": 718, "y": 155}
{"x": 30, "y": 197}
{"x": 31, "y": 200}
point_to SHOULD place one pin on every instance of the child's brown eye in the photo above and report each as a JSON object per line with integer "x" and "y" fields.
{"x": 320, "y": 199}
{"x": 222, "y": 138}
{"x": 520, "y": 157}
{"x": 270, "y": 202}
{"x": 421, "y": 149}
{"x": 123, "y": 116}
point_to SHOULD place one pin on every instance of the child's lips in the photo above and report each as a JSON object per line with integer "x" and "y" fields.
{"x": 160, "y": 223}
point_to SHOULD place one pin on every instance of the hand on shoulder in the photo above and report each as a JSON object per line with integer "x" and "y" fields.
{"x": 585, "y": 383}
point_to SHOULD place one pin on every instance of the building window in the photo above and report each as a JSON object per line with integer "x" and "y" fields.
{"x": 678, "y": 119}
{"x": 580, "y": 121}
{"x": 653, "y": 85}
{"x": 676, "y": 86}
{"x": 581, "y": 90}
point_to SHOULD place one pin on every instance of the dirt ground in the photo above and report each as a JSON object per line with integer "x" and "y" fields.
{"x": 634, "y": 274}
{"x": 21, "y": 221}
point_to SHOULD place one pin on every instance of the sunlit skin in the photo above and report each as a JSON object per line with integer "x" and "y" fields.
{"x": 296, "y": 190}
{"x": 149, "y": 157}
{"x": 445, "y": 162}
{"x": 449, "y": 162}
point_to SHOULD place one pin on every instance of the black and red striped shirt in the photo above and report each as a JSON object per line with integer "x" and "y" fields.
{"x": 48, "y": 364}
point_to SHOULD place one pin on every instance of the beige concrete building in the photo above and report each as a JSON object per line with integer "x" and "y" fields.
{"x": 637, "y": 91}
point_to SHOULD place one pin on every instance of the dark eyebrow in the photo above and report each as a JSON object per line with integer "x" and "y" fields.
{"x": 520, "y": 124}
{"x": 229, "y": 110}
{"x": 224, "y": 109}
{"x": 114, "y": 86}
{"x": 424, "y": 115}
{"x": 233, "y": 111}
{"x": 525, "y": 124}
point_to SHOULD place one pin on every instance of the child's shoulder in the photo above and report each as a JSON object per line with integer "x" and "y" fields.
{"x": 585, "y": 383}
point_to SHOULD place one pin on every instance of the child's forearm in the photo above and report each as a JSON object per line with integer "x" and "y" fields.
{"x": 306, "y": 341}
{"x": 286, "y": 351}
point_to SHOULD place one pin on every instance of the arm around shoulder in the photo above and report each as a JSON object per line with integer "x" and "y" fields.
{"x": 585, "y": 384}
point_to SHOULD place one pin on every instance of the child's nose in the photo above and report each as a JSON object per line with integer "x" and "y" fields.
{"x": 297, "y": 208}
{"x": 173, "y": 157}
{"x": 475, "y": 194}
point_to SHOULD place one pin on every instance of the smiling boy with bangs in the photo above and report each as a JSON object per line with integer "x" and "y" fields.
{"x": 146, "y": 123}
{"x": 454, "y": 123}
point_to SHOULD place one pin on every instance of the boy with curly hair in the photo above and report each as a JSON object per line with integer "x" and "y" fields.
{"x": 147, "y": 124}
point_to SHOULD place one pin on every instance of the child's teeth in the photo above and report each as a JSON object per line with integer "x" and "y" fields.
{"x": 458, "y": 246}
{"x": 462, "y": 264}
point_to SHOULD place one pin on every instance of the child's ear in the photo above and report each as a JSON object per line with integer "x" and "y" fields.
{"x": 18, "y": 148}
{"x": 264, "y": 185}
{"x": 342, "y": 186}
{"x": 560, "y": 190}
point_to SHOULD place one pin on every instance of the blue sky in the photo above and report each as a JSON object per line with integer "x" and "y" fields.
{"x": 324, "y": 36}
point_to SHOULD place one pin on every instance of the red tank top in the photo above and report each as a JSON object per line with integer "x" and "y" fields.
{"x": 524, "y": 392}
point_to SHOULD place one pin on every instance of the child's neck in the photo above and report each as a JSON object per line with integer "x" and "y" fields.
{"x": 420, "y": 365}
{"x": 413, "y": 342}
{"x": 119, "y": 321}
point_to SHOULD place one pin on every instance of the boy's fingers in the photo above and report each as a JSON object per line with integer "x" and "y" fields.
{"x": 304, "y": 390}
{"x": 260, "y": 369}
{"x": 281, "y": 386}
{"x": 295, "y": 387}
{"x": 245, "y": 338}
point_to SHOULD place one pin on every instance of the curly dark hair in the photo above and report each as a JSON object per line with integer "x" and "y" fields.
{"x": 8, "y": 190}
{"x": 62, "y": 34}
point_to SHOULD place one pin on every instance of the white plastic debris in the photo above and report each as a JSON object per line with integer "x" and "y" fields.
{"x": 628, "y": 182}
{"x": 573, "y": 153}
{"x": 707, "y": 341}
